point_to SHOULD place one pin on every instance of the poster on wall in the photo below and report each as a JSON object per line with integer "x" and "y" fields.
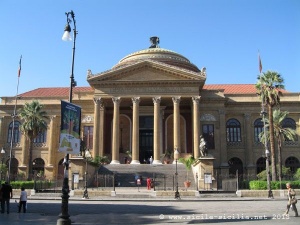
{"x": 70, "y": 128}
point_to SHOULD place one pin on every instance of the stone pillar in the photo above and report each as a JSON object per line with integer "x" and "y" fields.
{"x": 196, "y": 125}
{"x": 25, "y": 151}
{"x": 223, "y": 144}
{"x": 135, "y": 130}
{"x": 96, "y": 130}
{"x": 176, "y": 122}
{"x": 101, "y": 128}
{"x": 156, "y": 131}
{"x": 116, "y": 133}
{"x": 54, "y": 141}
{"x": 248, "y": 144}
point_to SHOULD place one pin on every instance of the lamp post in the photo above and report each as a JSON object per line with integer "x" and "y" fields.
{"x": 176, "y": 156}
{"x": 64, "y": 217}
{"x": 87, "y": 156}
{"x": 2, "y": 155}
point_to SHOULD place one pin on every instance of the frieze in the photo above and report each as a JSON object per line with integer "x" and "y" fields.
{"x": 152, "y": 90}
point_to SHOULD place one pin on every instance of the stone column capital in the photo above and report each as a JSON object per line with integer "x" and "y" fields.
{"x": 135, "y": 100}
{"x": 116, "y": 100}
{"x": 196, "y": 99}
{"x": 156, "y": 100}
{"x": 176, "y": 99}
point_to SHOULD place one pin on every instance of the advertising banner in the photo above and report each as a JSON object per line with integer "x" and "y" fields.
{"x": 70, "y": 128}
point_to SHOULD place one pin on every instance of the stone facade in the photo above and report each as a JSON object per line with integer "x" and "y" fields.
{"x": 151, "y": 102}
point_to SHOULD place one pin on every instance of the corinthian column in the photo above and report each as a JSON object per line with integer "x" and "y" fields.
{"x": 135, "y": 131}
{"x": 96, "y": 140}
{"x": 156, "y": 131}
{"x": 115, "y": 137}
{"x": 53, "y": 143}
{"x": 196, "y": 125}
{"x": 101, "y": 129}
{"x": 176, "y": 122}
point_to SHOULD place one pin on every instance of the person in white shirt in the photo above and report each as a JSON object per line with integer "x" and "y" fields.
{"x": 23, "y": 200}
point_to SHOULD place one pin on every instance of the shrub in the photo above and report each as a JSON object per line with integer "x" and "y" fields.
{"x": 25, "y": 184}
{"x": 297, "y": 174}
{"x": 275, "y": 185}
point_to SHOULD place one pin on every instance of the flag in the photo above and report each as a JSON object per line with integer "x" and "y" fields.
{"x": 19, "y": 70}
{"x": 259, "y": 63}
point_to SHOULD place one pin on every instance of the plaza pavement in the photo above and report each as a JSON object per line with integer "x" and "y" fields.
{"x": 134, "y": 208}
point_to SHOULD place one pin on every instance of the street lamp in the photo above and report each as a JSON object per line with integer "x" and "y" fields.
{"x": 87, "y": 156}
{"x": 176, "y": 156}
{"x": 2, "y": 155}
{"x": 64, "y": 217}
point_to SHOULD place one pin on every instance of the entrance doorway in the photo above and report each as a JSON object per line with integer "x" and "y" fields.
{"x": 146, "y": 145}
{"x": 146, "y": 138}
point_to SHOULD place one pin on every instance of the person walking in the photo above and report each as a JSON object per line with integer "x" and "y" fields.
{"x": 23, "y": 200}
{"x": 7, "y": 194}
{"x": 292, "y": 200}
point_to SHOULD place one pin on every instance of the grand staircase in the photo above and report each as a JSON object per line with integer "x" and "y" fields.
{"x": 162, "y": 174}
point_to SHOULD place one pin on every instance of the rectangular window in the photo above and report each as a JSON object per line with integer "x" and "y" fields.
{"x": 208, "y": 135}
{"x": 88, "y": 136}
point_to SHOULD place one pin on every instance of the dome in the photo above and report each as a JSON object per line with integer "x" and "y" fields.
{"x": 158, "y": 54}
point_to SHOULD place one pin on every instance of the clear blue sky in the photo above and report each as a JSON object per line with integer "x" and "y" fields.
{"x": 222, "y": 35}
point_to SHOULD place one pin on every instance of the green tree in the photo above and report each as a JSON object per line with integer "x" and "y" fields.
{"x": 269, "y": 86}
{"x": 34, "y": 122}
{"x": 281, "y": 133}
{"x": 188, "y": 162}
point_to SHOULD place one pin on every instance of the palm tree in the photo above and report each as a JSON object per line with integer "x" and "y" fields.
{"x": 269, "y": 86}
{"x": 34, "y": 122}
{"x": 281, "y": 133}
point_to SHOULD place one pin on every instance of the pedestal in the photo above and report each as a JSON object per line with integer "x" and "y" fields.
{"x": 205, "y": 171}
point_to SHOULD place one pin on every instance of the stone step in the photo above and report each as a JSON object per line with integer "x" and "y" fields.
{"x": 163, "y": 173}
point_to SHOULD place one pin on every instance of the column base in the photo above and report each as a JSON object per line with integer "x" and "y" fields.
{"x": 156, "y": 162}
{"x": 135, "y": 162}
{"x": 115, "y": 162}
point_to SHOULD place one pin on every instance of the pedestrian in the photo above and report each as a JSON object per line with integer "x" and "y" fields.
{"x": 7, "y": 194}
{"x": 292, "y": 200}
{"x": 23, "y": 200}
{"x": 148, "y": 183}
{"x": 150, "y": 160}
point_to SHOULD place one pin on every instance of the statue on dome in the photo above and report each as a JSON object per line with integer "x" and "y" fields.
{"x": 154, "y": 42}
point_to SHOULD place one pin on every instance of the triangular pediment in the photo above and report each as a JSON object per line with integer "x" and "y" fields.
{"x": 147, "y": 71}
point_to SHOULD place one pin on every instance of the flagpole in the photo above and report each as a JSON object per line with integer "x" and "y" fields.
{"x": 13, "y": 123}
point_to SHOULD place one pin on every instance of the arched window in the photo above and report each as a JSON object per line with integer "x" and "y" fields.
{"x": 292, "y": 163}
{"x": 38, "y": 165}
{"x": 14, "y": 129}
{"x": 260, "y": 165}
{"x": 258, "y": 128}
{"x": 235, "y": 164}
{"x": 289, "y": 123}
{"x": 233, "y": 131}
{"x": 41, "y": 138}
